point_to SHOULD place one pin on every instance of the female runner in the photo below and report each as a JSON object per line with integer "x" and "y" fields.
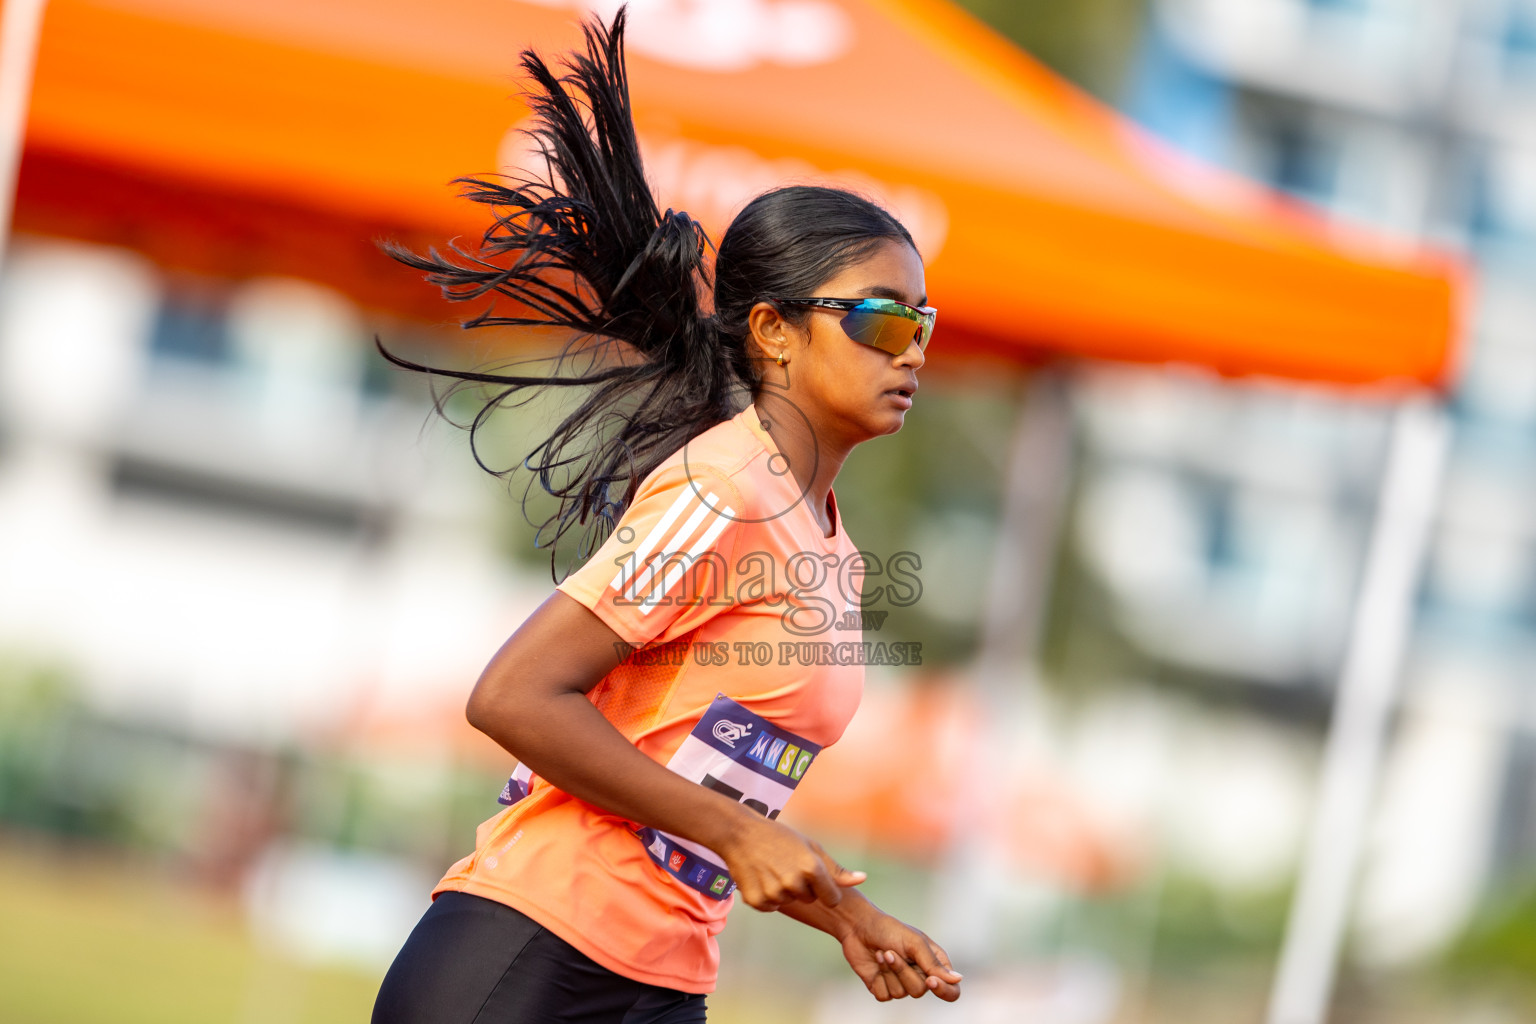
{"x": 666, "y": 700}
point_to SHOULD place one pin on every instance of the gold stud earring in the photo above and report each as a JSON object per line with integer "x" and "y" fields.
{"x": 781, "y": 359}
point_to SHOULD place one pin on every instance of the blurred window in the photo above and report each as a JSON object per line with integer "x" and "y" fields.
{"x": 1356, "y": 37}
{"x": 1483, "y": 209}
{"x": 1513, "y": 38}
{"x": 1520, "y": 30}
{"x": 191, "y": 325}
{"x": 1302, "y": 162}
{"x": 1480, "y": 563}
{"x": 1177, "y": 99}
{"x": 1498, "y": 384}
{"x": 1500, "y": 205}
{"x": 278, "y": 335}
{"x": 1222, "y": 551}
{"x": 380, "y": 379}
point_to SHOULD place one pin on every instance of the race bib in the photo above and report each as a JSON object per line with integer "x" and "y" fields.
{"x": 746, "y": 757}
{"x": 732, "y": 751}
{"x": 517, "y": 786}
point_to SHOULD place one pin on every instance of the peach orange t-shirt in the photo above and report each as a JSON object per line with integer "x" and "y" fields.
{"x": 750, "y": 665}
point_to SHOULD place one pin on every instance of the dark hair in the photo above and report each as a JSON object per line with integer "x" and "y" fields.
{"x": 586, "y": 248}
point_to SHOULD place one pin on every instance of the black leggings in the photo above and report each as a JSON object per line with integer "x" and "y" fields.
{"x": 471, "y": 960}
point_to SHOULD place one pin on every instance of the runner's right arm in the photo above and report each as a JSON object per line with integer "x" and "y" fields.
{"x": 531, "y": 699}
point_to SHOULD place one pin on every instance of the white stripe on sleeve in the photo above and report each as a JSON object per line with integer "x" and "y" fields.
{"x": 654, "y": 537}
{"x": 675, "y": 571}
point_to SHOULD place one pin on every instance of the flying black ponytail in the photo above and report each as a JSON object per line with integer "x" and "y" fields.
{"x": 588, "y": 250}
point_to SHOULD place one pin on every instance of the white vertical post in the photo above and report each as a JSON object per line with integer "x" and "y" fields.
{"x": 1363, "y": 703}
{"x": 21, "y": 23}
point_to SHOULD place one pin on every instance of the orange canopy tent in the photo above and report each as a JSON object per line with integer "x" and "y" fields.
{"x": 283, "y": 135}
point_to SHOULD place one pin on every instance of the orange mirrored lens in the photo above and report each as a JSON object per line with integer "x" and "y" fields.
{"x": 888, "y": 330}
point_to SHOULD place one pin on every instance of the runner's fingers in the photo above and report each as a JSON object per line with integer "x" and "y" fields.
{"x": 944, "y": 990}
{"x": 931, "y": 959}
{"x": 915, "y": 979}
{"x": 946, "y": 969}
{"x": 904, "y": 978}
{"x": 890, "y": 985}
{"x": 911, "y": 978}
{"x": 822, "y": 886}
{"x": 839, "y": 874}
{"x": 756, "y": 899}
{"x": 873, "y": 977}
{"x": 879, "y": 980}
{"x": 797, "y": 884}
{"x": 766, "y": 897}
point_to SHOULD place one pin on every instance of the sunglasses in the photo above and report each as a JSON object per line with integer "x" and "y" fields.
{"x": 885, "y": 324}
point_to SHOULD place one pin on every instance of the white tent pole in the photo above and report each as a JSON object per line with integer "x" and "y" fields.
{"x": 1363, "y": 704}
{"x": 21, "y": 22}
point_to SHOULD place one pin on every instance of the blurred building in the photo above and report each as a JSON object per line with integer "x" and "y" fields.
{"x": 268, "y": 575}
{"x": 173, "y": 441}
{"x": 239, "y": 525}
{"x": 1225, "y": 525}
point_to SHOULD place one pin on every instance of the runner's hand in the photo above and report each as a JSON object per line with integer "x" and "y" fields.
{"x": 774, "y": 865}
{"x": 895, "y": 960}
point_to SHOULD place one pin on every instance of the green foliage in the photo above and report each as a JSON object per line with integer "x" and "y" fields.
{"x": 1201, "y": 925}
{"x": 1499, "y": 943}
{"x": 1086, "y": 41}
{"x": 1082, "y": 647}
{"x": 37, "y": 702}
{"x": 424, "y": 810}
{"x": 934, "y": 490}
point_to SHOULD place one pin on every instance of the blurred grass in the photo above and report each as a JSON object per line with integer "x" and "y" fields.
{"x": 89, "y": 937}
{"x": 86, "y": 938}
